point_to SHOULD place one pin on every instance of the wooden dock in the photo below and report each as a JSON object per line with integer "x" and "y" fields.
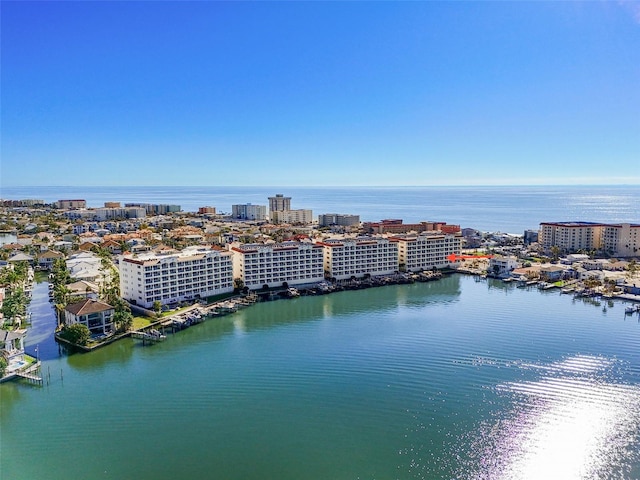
{"x": 31, "y": 374}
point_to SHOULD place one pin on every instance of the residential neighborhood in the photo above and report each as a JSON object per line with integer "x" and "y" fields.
{"x": 105, "y": 263}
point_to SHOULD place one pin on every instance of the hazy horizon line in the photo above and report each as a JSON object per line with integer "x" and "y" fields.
{"x": 631, "y": 184}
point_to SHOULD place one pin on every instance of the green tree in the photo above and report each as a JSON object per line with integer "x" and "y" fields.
{"x": 15, "y": 304}
{"x": 157, "y": 307}
{"x": 61, "y": 275}
{"x": 21, "y": 269}
{"x": 632, "y": 270}
{"x": 122, "y": 316}
{"x": 61, "y": 294}
{"x": 78, "y": 333}
{"x": 3, "y": 366}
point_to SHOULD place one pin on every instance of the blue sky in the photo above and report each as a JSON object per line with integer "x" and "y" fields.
{"x": 320, "y": 93}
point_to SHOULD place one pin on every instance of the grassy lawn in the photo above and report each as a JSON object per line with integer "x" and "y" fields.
{"x": 140, "y": 322}
{"x": 218, "y": 298}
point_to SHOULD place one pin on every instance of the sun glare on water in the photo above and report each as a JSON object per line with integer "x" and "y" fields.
{"x": 573, "y": 423}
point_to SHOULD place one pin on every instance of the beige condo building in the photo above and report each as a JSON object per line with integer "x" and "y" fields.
{"x": 428, "y": 250}
{"x": 356, "y": 257}
{"x": 621, "y": 239}
{"x": 296, "y": 263}
{"x": 571, "y": 236}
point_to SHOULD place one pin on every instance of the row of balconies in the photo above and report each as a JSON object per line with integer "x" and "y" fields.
{"x": 186, "y": 273}
{"x": 279, "y": 264}
{"x": 183, "y": 288}
{"x": 201, "y": 278}
{"x": 282, "y": 260}
{"x": 260, "y": 280}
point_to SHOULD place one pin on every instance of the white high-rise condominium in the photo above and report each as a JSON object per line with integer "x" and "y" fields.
{"x": 195, "y": 272}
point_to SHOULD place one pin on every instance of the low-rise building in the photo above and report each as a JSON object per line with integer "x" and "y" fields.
{"x": 552, "y": 273}
{"x": 295, "y": 217}
{"x": 530, "y": 236}
{"x": 249, "y": 212}
{"x": 71, "y": 204}
{"x": 85, "y": 266}
{"x": 296, "y": 263}
{"x": 102, "y": 214}
{"x": 156, "y": 209}
{"x": 397, "y": 226}
{"x": 500, "y": 265}
{"x": 84, "y": 289}
{"x": 172, "y": 276}
{"x": 342, "y": 220}
{"x": 357, "y": 257}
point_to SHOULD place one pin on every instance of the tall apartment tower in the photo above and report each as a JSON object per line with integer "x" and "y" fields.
{"x": 279, "y": 203}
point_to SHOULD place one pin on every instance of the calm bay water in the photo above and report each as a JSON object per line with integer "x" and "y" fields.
{"x": 455, "y": 379}
{"x": 505, "y": 209}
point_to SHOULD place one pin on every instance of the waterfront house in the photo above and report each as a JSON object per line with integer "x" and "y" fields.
{"x": 47, "y": 258}
{"x": 597, "y": 264}
{"x": 85, "y": 266}
{"x": 96, "y": 315}
{"x": 583, "y": 274}
{"x": 84, "y": 289}
{"x": 21, "y": 257}
{"x": 12, "y": 348}
{"x": 502, "y": 266}
{"x": 552, "y": 273}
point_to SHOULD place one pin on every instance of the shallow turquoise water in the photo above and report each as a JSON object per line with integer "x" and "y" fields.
{"x": 451, "y": 379}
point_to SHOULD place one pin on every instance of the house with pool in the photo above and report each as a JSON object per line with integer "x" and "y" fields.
{"x": 12, "y": 349}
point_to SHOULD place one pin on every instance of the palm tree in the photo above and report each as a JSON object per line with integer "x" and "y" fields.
{"x": 632, "y": 269}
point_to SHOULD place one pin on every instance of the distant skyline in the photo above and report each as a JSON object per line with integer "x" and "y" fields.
{"x": 319, "y": 93}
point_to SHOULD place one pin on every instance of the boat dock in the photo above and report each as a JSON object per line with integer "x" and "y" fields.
{"x": 31, "y": 374}
{"x": 155, "y": 332}
{"x": 152, "y": 336}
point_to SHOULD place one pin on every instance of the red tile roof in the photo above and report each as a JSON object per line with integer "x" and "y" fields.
{"x": 88, "y": 306}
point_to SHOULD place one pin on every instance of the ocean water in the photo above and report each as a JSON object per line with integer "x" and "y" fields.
{"x": 456, "y": 379}
{"x": 504, "y": 209}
